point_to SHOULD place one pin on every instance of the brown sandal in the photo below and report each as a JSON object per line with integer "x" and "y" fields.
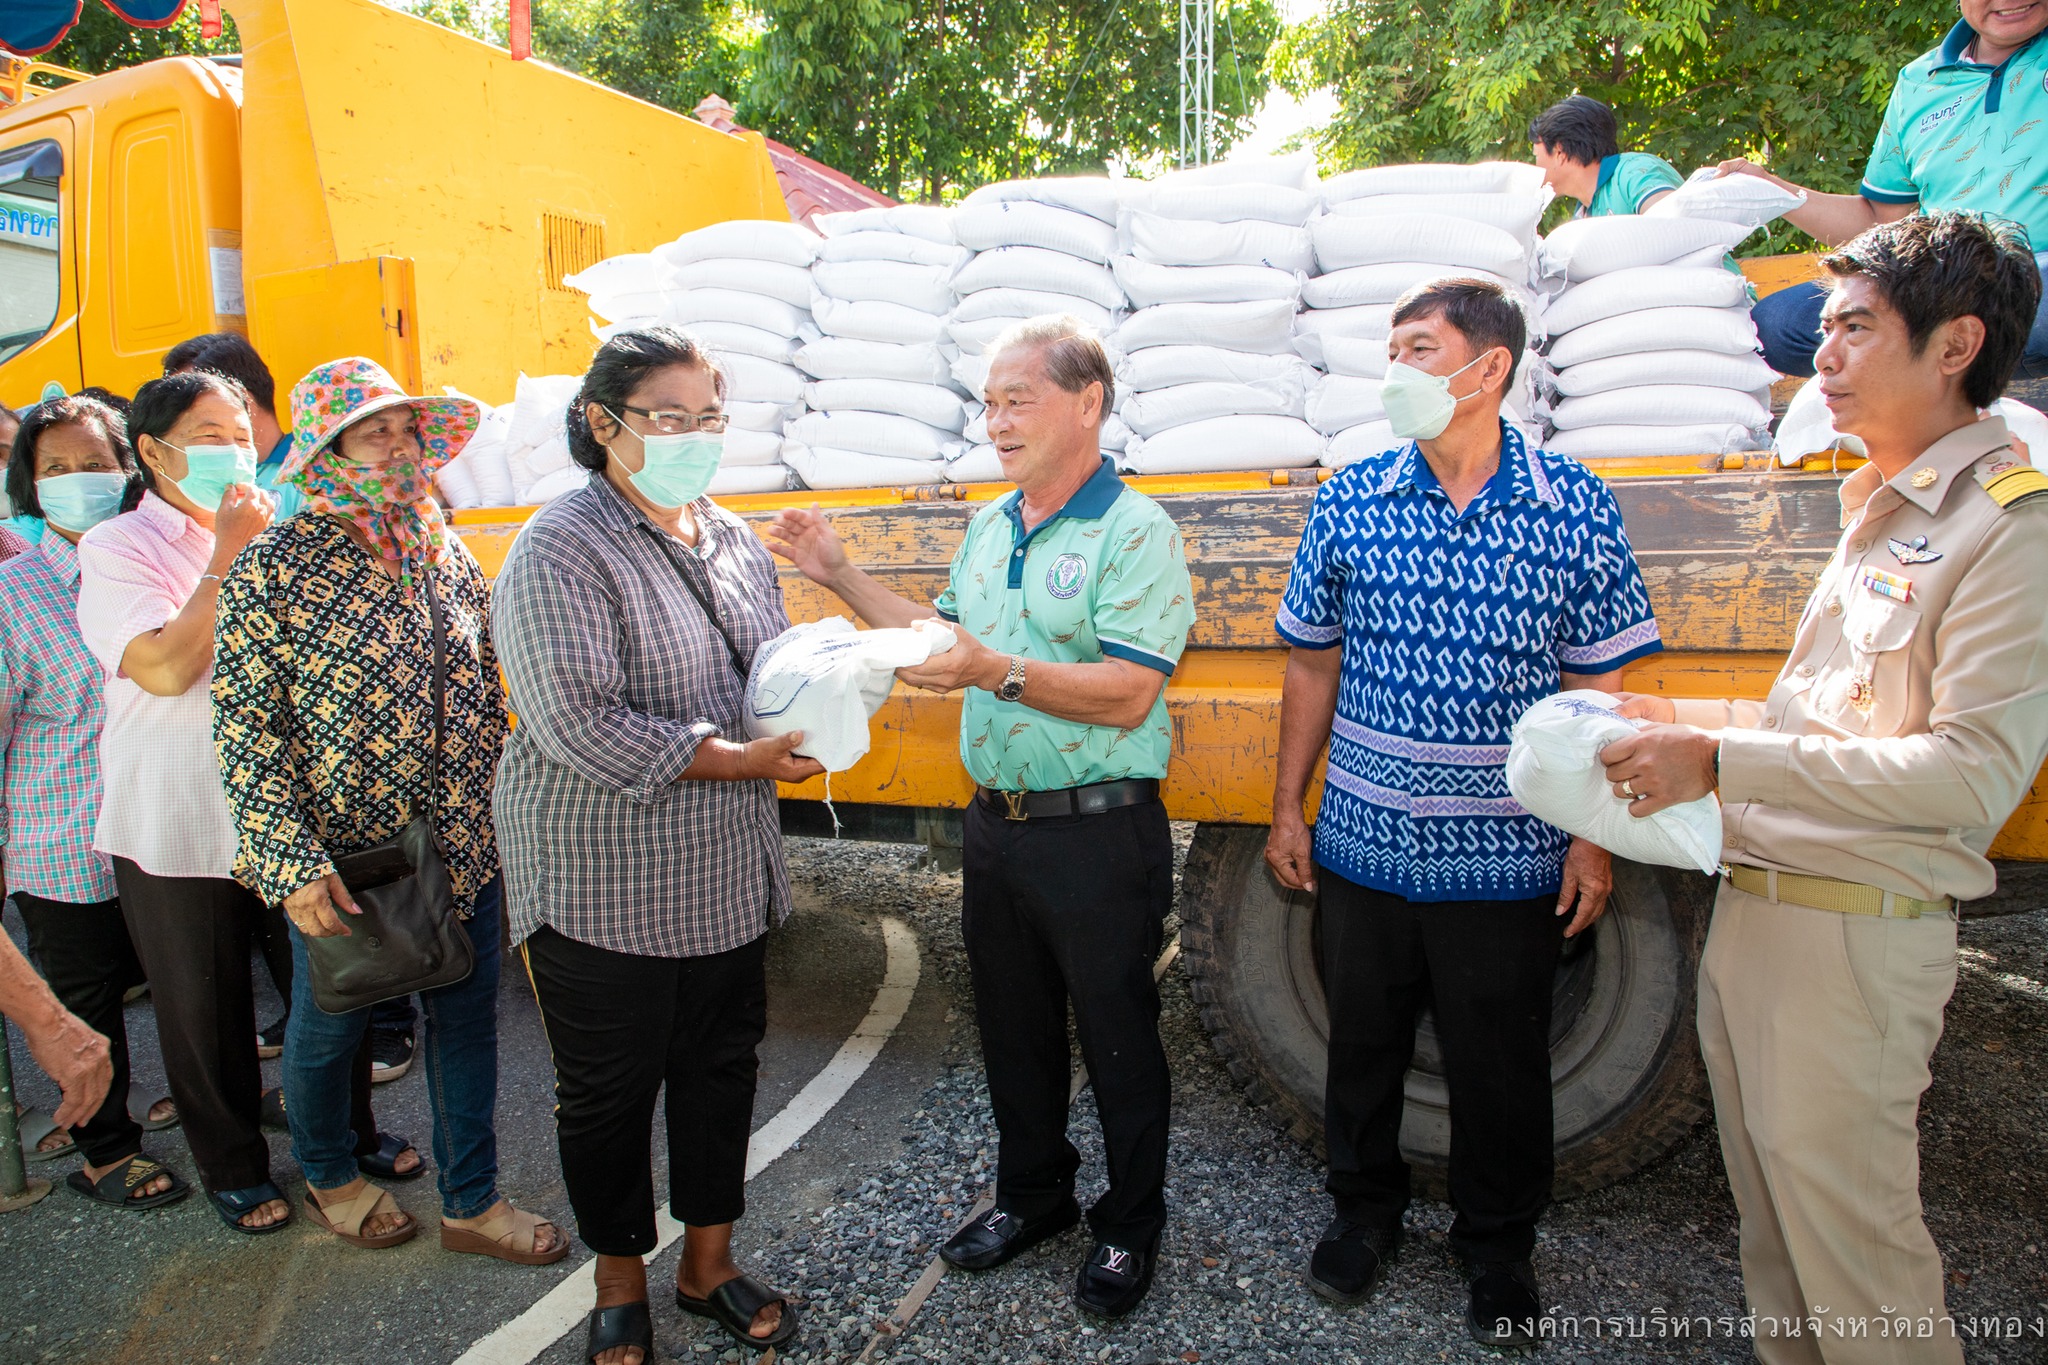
{"x": 345, "y": 1218}
{"x": 499, "y": 1235}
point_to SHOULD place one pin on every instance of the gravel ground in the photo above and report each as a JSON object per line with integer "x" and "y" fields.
{"x": 1246, "y": 1200}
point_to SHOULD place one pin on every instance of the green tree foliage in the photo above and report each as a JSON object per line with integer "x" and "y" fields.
{"x": 103, "y": 40}
{"x": 1796, "y": 85}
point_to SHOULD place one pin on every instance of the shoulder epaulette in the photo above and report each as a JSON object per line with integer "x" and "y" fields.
{"x": 2009, "y": 481}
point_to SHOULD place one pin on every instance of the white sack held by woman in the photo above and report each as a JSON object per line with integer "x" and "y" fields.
{"x": 1554, "y": 770}
{"x": 826, "y": 678}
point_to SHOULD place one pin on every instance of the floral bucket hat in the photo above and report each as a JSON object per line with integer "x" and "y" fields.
{"x": 344, "y": 391}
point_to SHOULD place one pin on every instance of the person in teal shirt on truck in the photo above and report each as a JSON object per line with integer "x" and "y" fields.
{"x": 230, "y": 354}
{"x": 1578, "y": 145}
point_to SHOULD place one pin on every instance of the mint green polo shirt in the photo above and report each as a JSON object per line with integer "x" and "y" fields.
{"x": 1627, "y": 180}
{"x": 1961, "y": 135}
{"x": 1103, "y": 577}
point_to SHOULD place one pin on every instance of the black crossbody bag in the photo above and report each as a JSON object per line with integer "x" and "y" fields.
{"x": 408, "y": 937}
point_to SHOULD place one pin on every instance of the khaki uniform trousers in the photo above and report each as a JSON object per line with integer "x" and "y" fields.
{"x": 1817, "y": 1029}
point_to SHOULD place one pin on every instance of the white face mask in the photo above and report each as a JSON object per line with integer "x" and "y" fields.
{"x": 1419, "y": 404}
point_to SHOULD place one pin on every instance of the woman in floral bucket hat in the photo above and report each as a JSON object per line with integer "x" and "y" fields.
{"x": 324, "y": 719}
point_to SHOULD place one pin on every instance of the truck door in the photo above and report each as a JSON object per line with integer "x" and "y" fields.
{"x": 38, "y": 272}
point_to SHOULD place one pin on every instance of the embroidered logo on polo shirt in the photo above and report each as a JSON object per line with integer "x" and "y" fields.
{"x": 1066, "y": 576}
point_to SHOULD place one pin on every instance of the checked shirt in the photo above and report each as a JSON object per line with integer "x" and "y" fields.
{"x": 1452, "y": 624}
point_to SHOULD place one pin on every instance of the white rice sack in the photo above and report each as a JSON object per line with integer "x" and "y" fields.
{"x": 876, "y": 320}
{"x": 931, "y": 404}
{"x": 1264, "y": 327}
{"x": 1384, "y": 283}
{"x": 1359, "y": 357}
{"x": 1588, "y": 247}
{"x": 553, "y": 485}
{"x": 874, "y": 433}
{"x": 1115, "y": 436}
{"x": 1015, "y": 304}
{"x": 1707, "y": 256}
{"x": 1592, "y": 443}
{"x": 1372, "y": 321}
{"x": 736, "y": 480}
{"x": 1644, "y": 286}
{"x": 624, "y": 309}
{"x": 790, "y": 283}
{"x": 751, "y": 239}
{"x": 922, "y": 287}
{"x": 1162, "y": 367}
{"x": 455, "y": 483}
{"x": 1554, "y": 771}
{"x": 485, "y": 458}
{"x": 1357, "y": 443}
{"x": 1749, "y": 200}
{"x": 929, "y": 221}
{"x": 825, "y": 468}
{"x": 688, "y": 307}
{"x": 1295, "y": 170}
{"x": 970, "y": 372}
{"x": 540, "y": 406}
{"x": 637, "y": 273}
{"x": 1094, "y": 195}
{"x": 826, "y": 679}
{"x": 1339, "y": 402}
{"x": 1033, "y": 267}
{"x": 1146, "y": 284}
{"x": 1485, "y": 177}
{"x": 732, "y": 338}
{"x": 1205, "y": 203}
{"x": 750, "y": 379}
{"x": 1020, "y": 222}
{"x": 1225, "y": 443}
{"x": 1727, "y": 330}
{"x": 1178, "y": 241}
{"x": 1514, "y": 214}
{"x": 980, "y": 464}
{"x": 974, "y": 338}
{"x": 1662, "y": 405}
{"x": 1155, "y": 410}
{"x": 1747, "y": 373}
{"x": 893, "y": 246}
{"x": 851, "y": 358}
{"x": 744, "y": 448}
{"x": 761, "y": 416}
{"x": 1344, "y": 240}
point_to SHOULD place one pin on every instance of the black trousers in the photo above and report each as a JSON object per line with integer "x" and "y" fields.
{"x": 84, "y": 953}
{"x": 1071, "y": 909}
{"x": 1487, "y": 968}
{"x": 620, "y": 1027}
{"x": 194, "y": 935}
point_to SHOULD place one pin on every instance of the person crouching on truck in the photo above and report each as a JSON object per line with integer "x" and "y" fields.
{"x": 1440, "y": 589}
{"x": 1577, "y": 144}
{"x": 1859, "y": 797}
{"x": 1073, "y": 601}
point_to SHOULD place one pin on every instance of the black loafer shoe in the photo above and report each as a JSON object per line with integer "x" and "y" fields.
{"x": 1505, "y": 1307}
{"x": 1114, "y": 1279}
{"x": 1346, "y": 1265}
{"x": 997, "y": 1237}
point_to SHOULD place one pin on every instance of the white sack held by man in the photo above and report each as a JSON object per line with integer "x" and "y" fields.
{"x": 826, "y": 678}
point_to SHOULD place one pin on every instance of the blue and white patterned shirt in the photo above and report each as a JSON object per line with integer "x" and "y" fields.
{"x": 1453, "y": 624}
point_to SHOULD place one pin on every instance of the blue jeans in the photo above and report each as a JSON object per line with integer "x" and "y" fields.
{"x": 1788, "y": 325}
{"x": 461, "y": 1047}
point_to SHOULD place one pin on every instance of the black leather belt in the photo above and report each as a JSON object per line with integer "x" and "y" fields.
{"x": 1092, "y": 799}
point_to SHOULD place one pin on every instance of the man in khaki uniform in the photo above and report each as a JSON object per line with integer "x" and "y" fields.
{"x": 1860, "y": 796}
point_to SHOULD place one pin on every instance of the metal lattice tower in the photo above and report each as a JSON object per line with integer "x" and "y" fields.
{"x": 1197, "y": 82}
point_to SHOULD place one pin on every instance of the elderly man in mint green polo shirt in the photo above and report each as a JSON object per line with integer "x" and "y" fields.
{"x": 1966, "y": 129}
{"x": 1073, "y": 601}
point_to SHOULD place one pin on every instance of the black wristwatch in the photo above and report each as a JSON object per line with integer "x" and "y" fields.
{"x": 1012, "y": 686}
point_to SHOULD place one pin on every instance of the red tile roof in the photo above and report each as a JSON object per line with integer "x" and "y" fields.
{"x": 809, "y": 187}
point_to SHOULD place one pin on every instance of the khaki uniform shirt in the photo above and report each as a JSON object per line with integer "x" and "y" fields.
{"x": 1912, "y": 715}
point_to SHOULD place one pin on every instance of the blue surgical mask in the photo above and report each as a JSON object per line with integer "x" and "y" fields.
{"x": 1420, "y": 404}
{"x": 676, "y": 468}
{"x": 211, "y": 470}
{"x": 78, "y": 502}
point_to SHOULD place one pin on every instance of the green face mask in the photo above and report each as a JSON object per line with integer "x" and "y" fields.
{"x": 677, "y": 469}
{"x": 211, "y": 470}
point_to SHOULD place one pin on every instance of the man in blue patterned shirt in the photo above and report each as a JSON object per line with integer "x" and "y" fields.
{"x": 1439, "y": 590}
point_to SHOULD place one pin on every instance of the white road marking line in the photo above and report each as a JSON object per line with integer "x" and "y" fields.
{"x": 563, "y": 1308}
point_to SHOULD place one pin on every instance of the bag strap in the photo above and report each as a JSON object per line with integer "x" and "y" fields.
{"x": 668, "y": 551}
{"x": 440, "y": 625}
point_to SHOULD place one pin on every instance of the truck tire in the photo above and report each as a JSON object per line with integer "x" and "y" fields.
{"x": 1629, "y": 1083}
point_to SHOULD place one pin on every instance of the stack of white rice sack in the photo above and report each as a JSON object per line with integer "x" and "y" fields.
{"x": 1212, "y": 261}
{"x": 880, "y": 405}
{"x": 1651, "y": 349}
{"x": 1041, "y": 247}
{"x": 480, "y": 475}
{"x": 1383, "y": 231}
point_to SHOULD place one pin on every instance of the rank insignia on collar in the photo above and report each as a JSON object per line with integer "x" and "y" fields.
{"x": 1924, "y": 478}
{"x": 1914, "y": 551}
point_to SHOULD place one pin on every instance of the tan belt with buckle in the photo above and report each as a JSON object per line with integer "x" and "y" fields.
{"x": 1826, "y": 893}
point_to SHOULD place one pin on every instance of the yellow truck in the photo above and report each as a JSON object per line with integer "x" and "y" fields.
{"x": 402, "y": 192}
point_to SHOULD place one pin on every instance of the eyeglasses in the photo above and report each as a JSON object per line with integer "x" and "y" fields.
{"x": 678, "y": 423}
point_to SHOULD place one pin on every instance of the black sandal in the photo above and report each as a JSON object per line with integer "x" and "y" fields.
{"x": 735, "y": 1304}
{"x": 623, "y": 1324}
{"x": 113, "y": 1188}
{"x": 270, "y": 1110}
{"x": 235, "y": 1205}
{"x": 383, "y": 1163}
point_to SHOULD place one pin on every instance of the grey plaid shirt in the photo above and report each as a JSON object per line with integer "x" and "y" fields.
{"x": 616, "y": 677}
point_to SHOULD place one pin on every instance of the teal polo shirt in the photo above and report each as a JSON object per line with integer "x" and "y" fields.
{"x": 1962, "y": 135}
{"x": 290, "y": 500}
{"x": 1102, "y": 578}
{"x": 1627, "y": 180}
